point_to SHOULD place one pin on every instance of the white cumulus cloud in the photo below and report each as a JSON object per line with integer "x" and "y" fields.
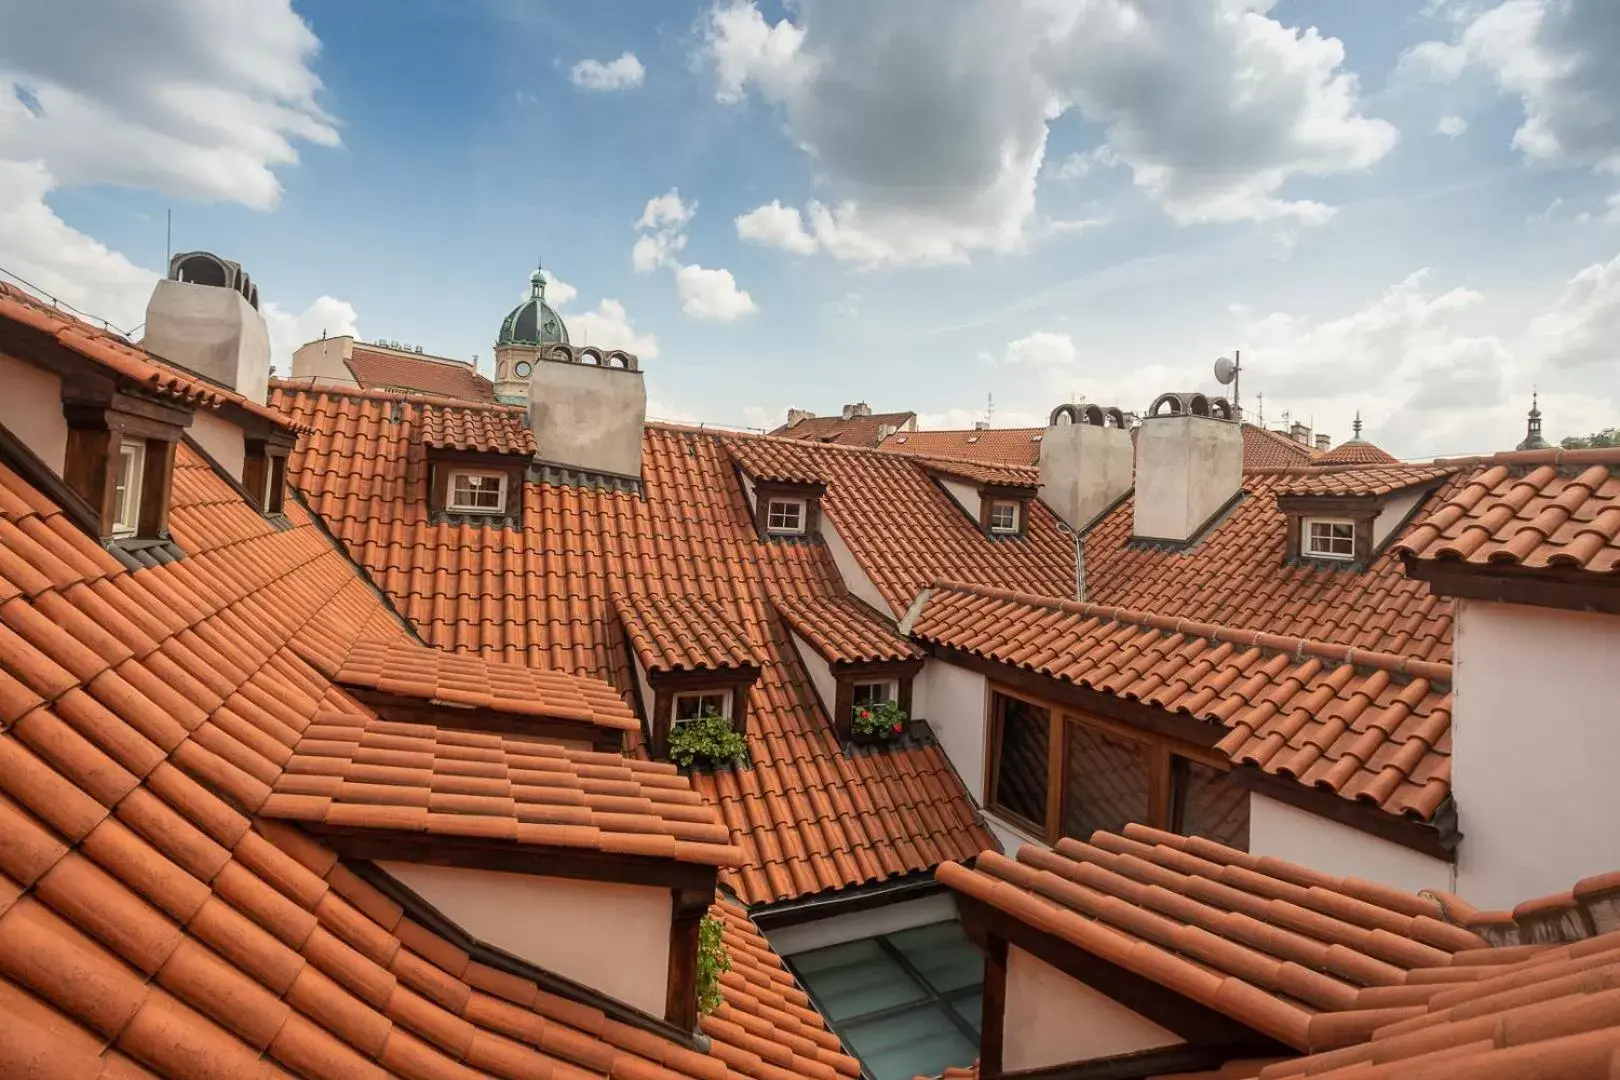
{"x": 1451, "y": 126}
{"x": 775, "y": 225}
{"x": 624, "y": 73}
{"x": 712, "y": 294}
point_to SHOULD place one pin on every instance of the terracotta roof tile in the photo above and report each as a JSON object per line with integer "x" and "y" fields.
{"x": 687, "y": 633}
{"x": 843, "y": 629}
{"x": 1357, "y": 452}
{"x": 1368, "y": 726}
{"x": 1369, "y": 480}
{"x": 21, "y": 309}
{"x": 389, "y": 369}
{"x": 996, "y": 446}
{"x": 808, "y": 816}
{"x": 1539, "y": 509}
{"x": 981, "y": 472}
{"x": 500, "y": 429}
{"x": 856, "y": 431}
{"x": 198, "y": 940}
{"x": 1266, "y": 449}
{"x": 416, "y": 671}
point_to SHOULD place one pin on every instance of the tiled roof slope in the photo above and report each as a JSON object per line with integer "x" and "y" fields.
{"x": 998, "y": 446}
{"x": 687, "y": 633}
{"x": 410, "y": 670}
{"x": 981, "y": 472}
{"x": 146, "y": 917}
{"x": 1362, "y": 480}
{"x": 808, "y": 816}
{"x": 119, "y": 357}
{"x": 1266, "y": 449}
{"x": 387, "y": 369}
{"x": 1367, "y": 726}
{"x": 1235, "y": 576}
{"x": 1357, "y": 452}
{"x": 1537, "y": 509}
{"x": 856, "y": 431}
{"x": 501, "y": 429}
{"x": 843, "y": 629}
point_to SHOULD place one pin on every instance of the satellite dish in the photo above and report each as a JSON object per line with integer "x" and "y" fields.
{"x": 1226, "y": 370}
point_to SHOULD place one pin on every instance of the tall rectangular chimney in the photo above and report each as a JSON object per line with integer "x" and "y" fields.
{"x": 205, "y": 318}
{"x": 588, "y": 409}
{"x": 1085, "y": 462}
{"x": 1189, "y": 466}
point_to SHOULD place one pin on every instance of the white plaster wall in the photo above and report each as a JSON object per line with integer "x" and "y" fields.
{"x": 1286, "y": 832}
{"x": 1084, "y": 470}
{"x": 821, "y": 676}
{"x": 1052, "y": 1019}
{"x": 859, "y": 925}
{"x": 1187, "y": 467}
{"x": 955, "y": 702}
{"x": 612, "y": 938}
{"x": 325, "y": 359}
{"x": 1393, "y": 513}
{"x": 588, "y": 417}
{"x": 223, "y": 441}
{"x": 966, "y": 496}
{"x": 644, "y": 687}
{"x": 1535, "y": 739}
{"x": 31, "y": 409}
{"x": 855, "y": 579}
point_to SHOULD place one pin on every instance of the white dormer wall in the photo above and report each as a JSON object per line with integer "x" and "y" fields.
{"x": 31, "y": 409}
{"x": 611, "y": 938}
{"x": 821, "y": 676}
{"x": 1394, "y": 512}
{"x": 221, "y": 440}
{"x": 849, "y": 568}
{"x": 966, "y": 496}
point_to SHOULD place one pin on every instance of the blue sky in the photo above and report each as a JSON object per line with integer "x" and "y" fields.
{"x": 1398, "y": 208}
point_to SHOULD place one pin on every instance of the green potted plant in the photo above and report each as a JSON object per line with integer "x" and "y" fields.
{"x": 877, "y": 723}
{"x": 707, "y": 739}
{"x": 713, "y": 961}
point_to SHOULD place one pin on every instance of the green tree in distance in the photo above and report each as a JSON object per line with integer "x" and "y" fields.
{"x": 1595, "y": 441}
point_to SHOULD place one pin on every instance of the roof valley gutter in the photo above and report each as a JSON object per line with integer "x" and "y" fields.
{"x": 913, "y": 886}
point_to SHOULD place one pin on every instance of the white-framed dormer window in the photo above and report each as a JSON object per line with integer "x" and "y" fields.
{"x": 874, "y": 693}
{"x": 691, "y": 704}
{"x": 1004, "y": 516}
{"x": 785, "y": 516}
{"x": 1329, "y": 538}
{"x": 474, "y": 491}
{"x": 131, "y": 464}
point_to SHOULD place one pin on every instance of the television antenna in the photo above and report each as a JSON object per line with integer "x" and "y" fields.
{"x": 1227, "y": 370}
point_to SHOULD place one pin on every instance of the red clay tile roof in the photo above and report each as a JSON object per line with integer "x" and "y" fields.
{"x": 1370, "y": 480}
{"x": 843, "y": 629}
{"x": 500, "y": 429}
{"x": 1236, "y": 576}
{"x": 1368, "y": 726}
{"x": 980, "y": 472}
{"x": 808, "y": 816}
{"x": 768, "y": 459}
{"x": 1356, "y": 452}
{"x": 687, "y": 633}
{"x": 415, "y": 671}
{"x": 146, "y": 916}
{"x": 1537, "y": 509}
{"x": 350, "y": 769}
{"x": 1266, "y": 449}
{"x": 388, "y": 369}
{"x": 150, "y": 372}
{"x": 997, "y": 446}
{"x": 856, "y": 431}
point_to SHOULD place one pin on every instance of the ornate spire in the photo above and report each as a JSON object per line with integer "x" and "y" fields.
{"x": 1356, "y": 427}
{"x": 537, "y": 282}
{"x": 1532, "y": 428}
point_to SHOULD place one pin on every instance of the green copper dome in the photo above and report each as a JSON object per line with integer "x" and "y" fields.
{"x": 533, "y": 322}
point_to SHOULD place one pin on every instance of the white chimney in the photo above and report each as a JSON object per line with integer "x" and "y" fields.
{"x": 795, "y": 415}
{"x": 588, "y": 409}
{"x": 1324, "y": 443}
{"x": 1189, "y": 466}
{"x": 205, "y": 318}
{"x": 1085, "y": 462}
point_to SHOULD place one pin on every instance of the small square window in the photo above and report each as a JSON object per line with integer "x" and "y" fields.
{"x": 477, "y": 492}
{"x": 131, "y": 464}
{"x": 693, "y": 704}
{"x": 1327, "y": 538}
{"x": 784, "y": 516}
{"x": 1004, "y": 516}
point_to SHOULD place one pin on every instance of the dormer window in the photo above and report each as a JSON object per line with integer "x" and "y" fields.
{"x": 264, "y": 470}
{"x": 785, "y": 516}
{"x": 1002, "y": 516}
{"x": 1329, "y": 538}
{"x": 127, "y": 488}
{"x": 120, "y": 461}
{"x": 477, "y": 492}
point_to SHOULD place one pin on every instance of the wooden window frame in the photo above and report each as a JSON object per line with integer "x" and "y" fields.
{"x": 97, "y": 430}
{"x": 1306, "y": 548}
{"x": 727, "y": 697}
{"x": 444, "y": 464}
{"x": 264, "y": 469}
{"x": 801, "y": 505}
{"x": 1004, "y": 504}
{"x": 1164, "y": 791}
{"x": 453, "y": 506}
{"x": 993, "y": 495}
{"x": 809, "y": 494}
{"x": 127, "y": 505}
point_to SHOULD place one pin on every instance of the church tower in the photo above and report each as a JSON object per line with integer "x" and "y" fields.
{"x": 531, "y": 328}
{"x": 1532, "y": 428}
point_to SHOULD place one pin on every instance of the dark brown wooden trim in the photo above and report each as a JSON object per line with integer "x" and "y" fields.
{"x": 474, "y": 853}
{"x": 1407, "y": 832}
{"x": 420, "y": 911}
{"x": 847, "y": 674}
{"x": 993, "y": 1008}
{"x": 1562, "y": 588}
{"x": 473, "y": 718}
{"x": 157, "y": 484}
{"x": 687, "y": 910}
{"x": 89, "y": 468}
{"x": 766, "y": 490}
{"x": 1198, "y": 1024}
{"x": 666, "y": 684}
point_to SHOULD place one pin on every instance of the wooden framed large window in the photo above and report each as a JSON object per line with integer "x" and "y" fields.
{"x": 1056, "y": 771}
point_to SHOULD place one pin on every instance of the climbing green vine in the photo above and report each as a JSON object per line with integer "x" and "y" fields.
{"x": 712, "y": 961}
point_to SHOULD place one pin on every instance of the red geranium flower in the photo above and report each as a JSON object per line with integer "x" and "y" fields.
{"x": 897, "y": 729}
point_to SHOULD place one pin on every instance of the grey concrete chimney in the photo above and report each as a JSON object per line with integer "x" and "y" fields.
{"x": 205, "y": 318}
{"x": 588, "y": 409}
{"x": 1300, "y": 433}
{"x": 795, "y": 415}
{"x": 1085, "y": 462}
{"x": 1324, "y": 443}
{"x": 1189, "y": 465}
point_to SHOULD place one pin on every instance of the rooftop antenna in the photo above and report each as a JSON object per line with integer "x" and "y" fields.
{"x": 1261, "y": 399}
{"x": 1227, "y": 371}
{"x": 168, "y": 237}
{"x": 989, "y": 407}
